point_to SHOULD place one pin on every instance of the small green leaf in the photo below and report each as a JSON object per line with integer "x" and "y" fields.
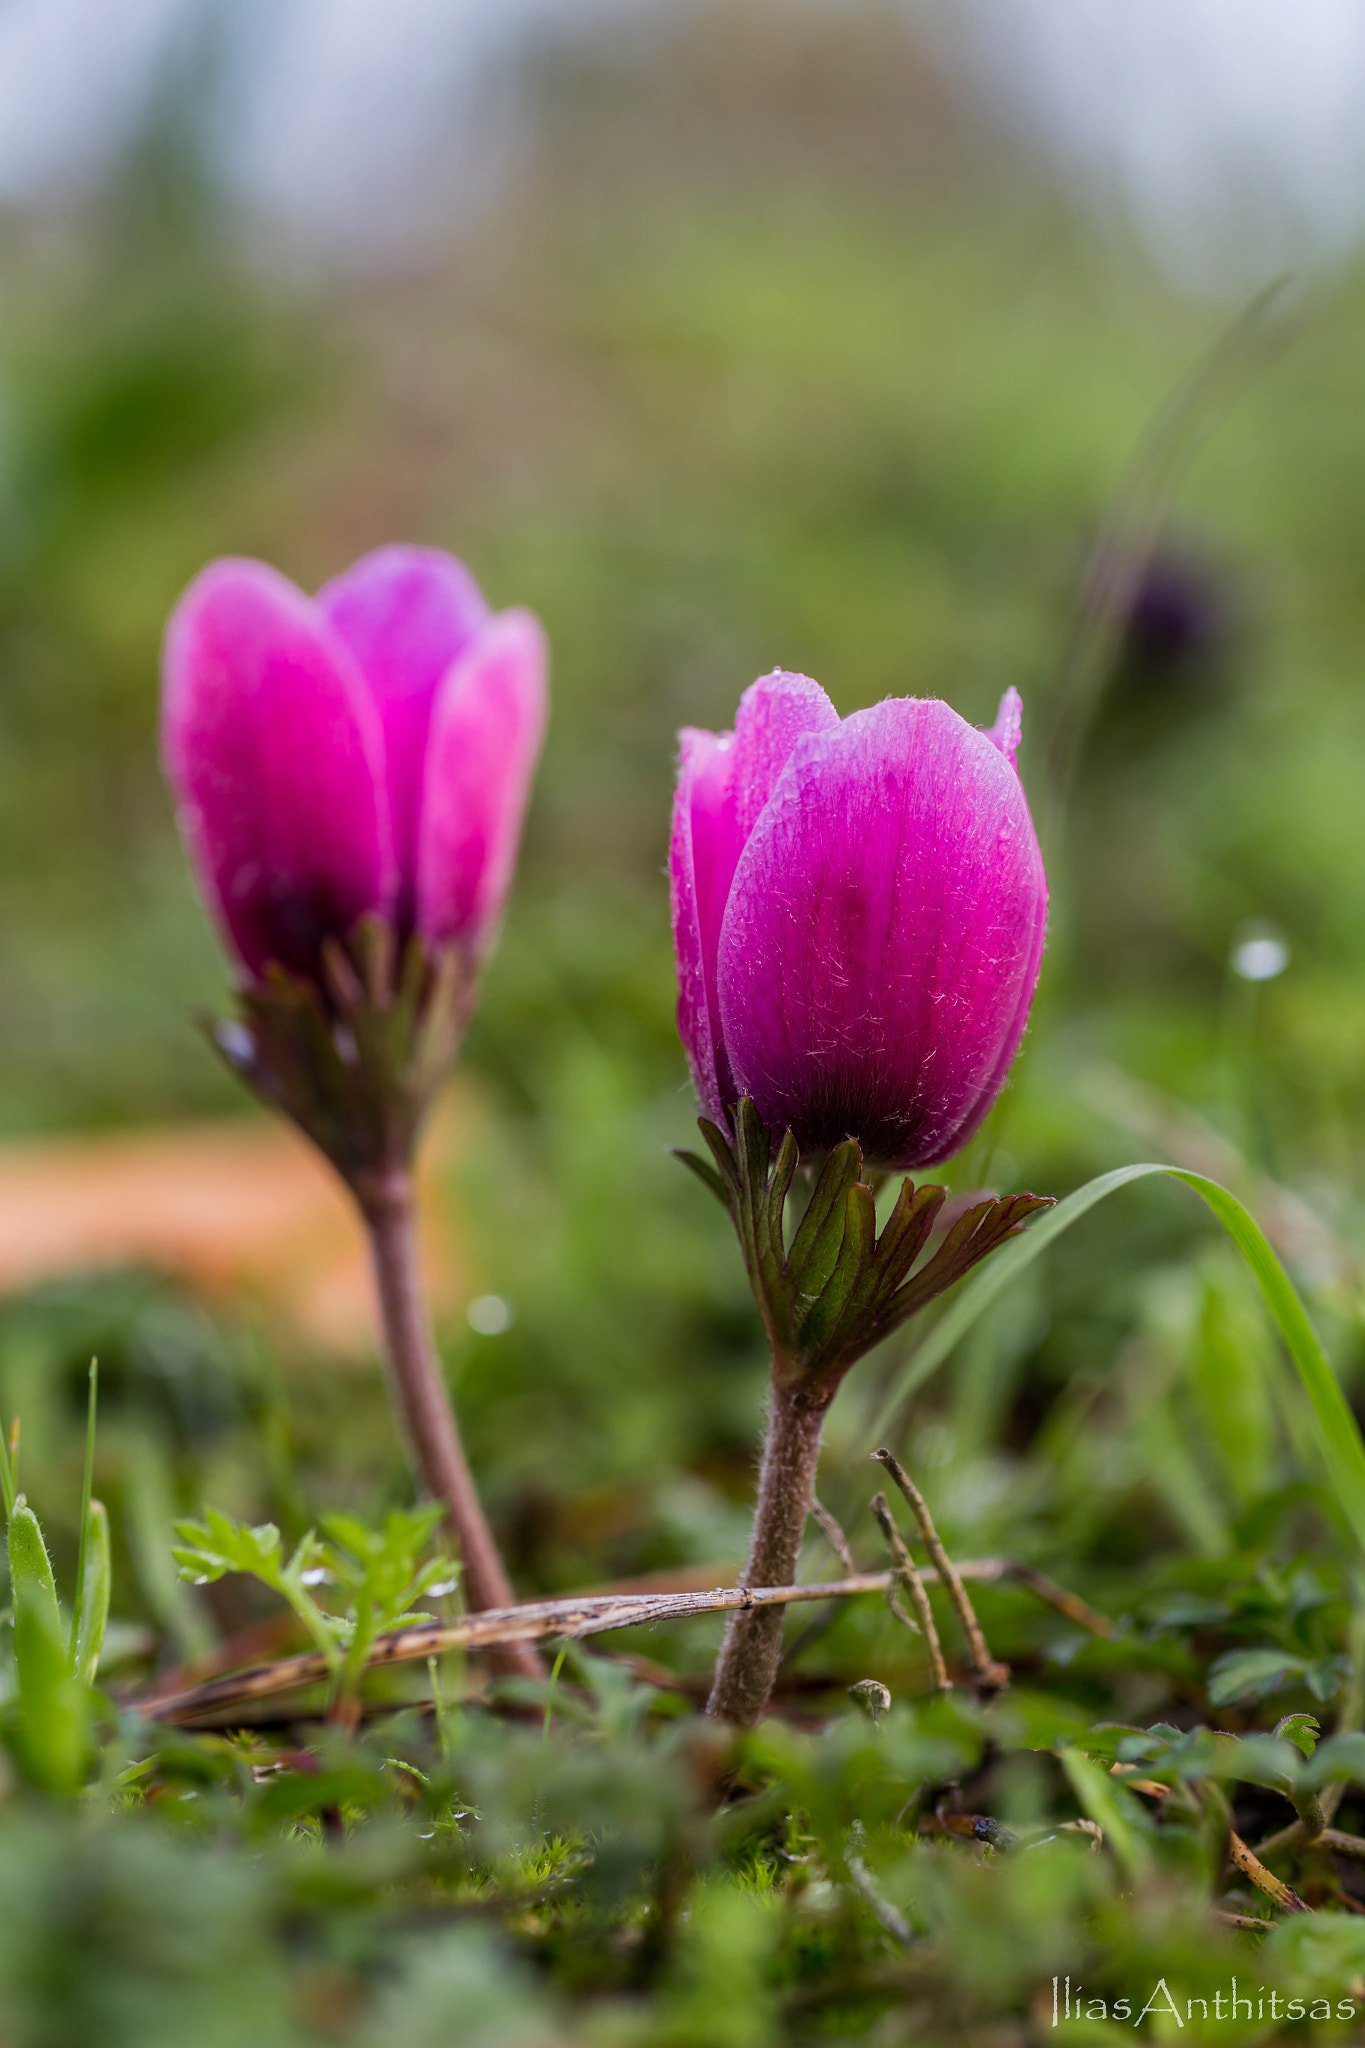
{"x": 1107, "y": 1802}
{"x": 1251, "y": 1674}
{"x": 1326, "y": 1677}
{"x": 1302, "y": 1730}
{"x": 1341, "y": 1757}
{"x": 210, "y": 1549}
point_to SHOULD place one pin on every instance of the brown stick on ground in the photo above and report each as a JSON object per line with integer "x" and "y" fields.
{"x": 1250, "y": 1865}
{"x": 420, "y": 1392}
{"x": 581, "y": 1615}
{"x": 990, "y": 1676}
{"x": 909, "y": 1577}
{"x": 833, "y": 1535}
{"x": 534, "y": 1621}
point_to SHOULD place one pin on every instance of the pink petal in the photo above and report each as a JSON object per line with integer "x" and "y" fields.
{"x": 1008, "y": 729}
{"x": 883, "y": 936}
{"x": 697, "y": 895}
{"x": 273, "y": 749}
{"x": 486, "y": 731}
{"x": 406, "y": 614}
{"x": 724, "y": 780}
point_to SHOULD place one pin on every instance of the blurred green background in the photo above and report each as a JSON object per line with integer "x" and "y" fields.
{"x": 771, "y": 349}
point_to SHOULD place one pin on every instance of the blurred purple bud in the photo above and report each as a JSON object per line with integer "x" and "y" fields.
{"x": 1177, "y": 617}
{"x": 859, "y": 910}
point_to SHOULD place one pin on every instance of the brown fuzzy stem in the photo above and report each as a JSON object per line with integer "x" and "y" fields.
{"x": 749, "y": 1654}
{"x": 421, "y": 1398}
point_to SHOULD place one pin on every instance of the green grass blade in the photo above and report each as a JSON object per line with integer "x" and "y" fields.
{"x": 32, "y": 1587}
{"x": 78, "y": 1608}
{"x": 7, "y": 1481}
{"x": 1338, "y": 1433}
{"x": 96, "y": 1580}
{"x": 993, "y": 1278}
{"x": 50, "y": 1739}
{"x": 1338, "y": 1430}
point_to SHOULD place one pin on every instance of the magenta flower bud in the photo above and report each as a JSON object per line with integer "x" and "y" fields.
{"x": 365, "y": 752}
{"x": 859, "y": 909}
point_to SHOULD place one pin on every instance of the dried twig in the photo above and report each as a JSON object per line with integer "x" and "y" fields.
{"x": 1292, "y": 1837}
{"x": 1341, "y": 1844}
{"x": 1070, "y": 1604}
{"x": 914, "y": 1585}
{"x": 216, "y": 1702}
{"x": 493, "y": 1627}
{"x": 887, "y": 1916}
{"x": 990, "y": 1676}
{"x": 1250, "y": 1865}
{"x": 815, "y": 1628}
{"x": 1244, "y": 1920}
{"x": 834, "y": 1536}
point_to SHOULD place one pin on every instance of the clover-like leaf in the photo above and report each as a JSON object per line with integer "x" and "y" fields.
{"x": 210, "y": 1549}
{"x": 1251, "y": 1674}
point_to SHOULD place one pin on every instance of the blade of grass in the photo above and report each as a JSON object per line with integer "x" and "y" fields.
{"x": 990, "y": 1280}
{"x": 94, "y": 1597}
{"x": 1338, "y": 1433}
{"x": 7, "y": 1480}
{"x": 1132, "y": 527}
{"x": 78, "y": 1608}
{"x": 550, "y": 1690}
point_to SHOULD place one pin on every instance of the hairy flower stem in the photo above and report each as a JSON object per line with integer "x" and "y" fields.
{"x": 420, "y": 1395}
{"x": 749, "y": 1654}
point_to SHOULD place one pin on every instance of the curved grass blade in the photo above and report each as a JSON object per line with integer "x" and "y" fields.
{"x": 82, "y": 1553}
{"x": 96, "y": 1580}
{"x": 1338, "y": 1432}
{"x": 8, "y": 1485}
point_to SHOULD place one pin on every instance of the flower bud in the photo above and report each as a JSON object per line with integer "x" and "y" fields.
{"x": 367, "y": 752}
{"x": 859, "y": 909}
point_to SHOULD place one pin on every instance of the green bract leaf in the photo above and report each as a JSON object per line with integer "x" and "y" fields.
{"x": 841, "y": 1288}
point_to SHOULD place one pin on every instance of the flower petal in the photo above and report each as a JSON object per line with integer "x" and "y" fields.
{"x": 883, "y": 936}
{"x": 272, "y": 745}
{"x": 1008, "y": 729}
{"x": 406, "y": 614}
{"x": 724, "y": 781}
{"x": 699, "y": 809}
{"x": 486, "y": 730}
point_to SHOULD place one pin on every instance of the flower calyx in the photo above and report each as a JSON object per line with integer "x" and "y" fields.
{"x": 355, "y": 1057}
{"x": 839, "y": 1286}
